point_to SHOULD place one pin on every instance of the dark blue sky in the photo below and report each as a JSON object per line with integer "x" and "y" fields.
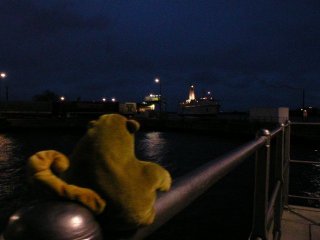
{"x": 247, "y": 53}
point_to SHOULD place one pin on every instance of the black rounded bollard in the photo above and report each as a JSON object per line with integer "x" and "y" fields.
{"x": 53, "y": 221}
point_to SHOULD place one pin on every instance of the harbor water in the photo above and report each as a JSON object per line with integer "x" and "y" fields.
{"x": 227, "y": 206}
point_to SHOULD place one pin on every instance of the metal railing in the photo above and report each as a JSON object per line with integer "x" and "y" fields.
{"x": 268, "y": 211}
{"x": 268, "y": 146}
{"x": 271, "y": 151}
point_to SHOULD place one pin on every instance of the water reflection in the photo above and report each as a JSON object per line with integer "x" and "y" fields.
{"x": 154, "y": 147}
{"x": 315, "y": 178}
{"x": 9, "y": 163}
{"x": 10, "y": 166}
{"x": 305, "y": 178}
{"x": 11, "y": 174}
{"x": 315, "y": 182}
{"x": 6, "y": 146}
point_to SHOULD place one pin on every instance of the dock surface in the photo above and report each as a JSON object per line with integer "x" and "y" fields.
{"x": 300, "y": 223}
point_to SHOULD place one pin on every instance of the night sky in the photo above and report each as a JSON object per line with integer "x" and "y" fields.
{"x": 247, "y": 53}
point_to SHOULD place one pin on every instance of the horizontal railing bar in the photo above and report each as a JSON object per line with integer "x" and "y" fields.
{"x": 272, "y": 201}
{"x": 305, "y": 162}
{"x": 189, "y": 187}
{"x": 305, "y": 123}
{"x": 303, "y": 197}
{"x": 275, "y": 132}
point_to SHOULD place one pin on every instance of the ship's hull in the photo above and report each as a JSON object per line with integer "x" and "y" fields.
{"x": 199, "y": 109}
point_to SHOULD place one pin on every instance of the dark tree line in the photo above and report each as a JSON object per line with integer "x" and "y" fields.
{"x": 46, "y": 96}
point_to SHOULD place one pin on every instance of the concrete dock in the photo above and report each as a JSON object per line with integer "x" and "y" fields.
{"x": 300, "y": 223}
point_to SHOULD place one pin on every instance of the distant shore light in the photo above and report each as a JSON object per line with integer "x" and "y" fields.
{"x": 113, "y": 99}
{"x": 62, "y": 98}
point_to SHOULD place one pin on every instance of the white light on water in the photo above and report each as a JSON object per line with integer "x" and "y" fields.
{"x": 155, "y": 146}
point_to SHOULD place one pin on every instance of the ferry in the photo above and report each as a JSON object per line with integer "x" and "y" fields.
{"x": 204, "y": 106}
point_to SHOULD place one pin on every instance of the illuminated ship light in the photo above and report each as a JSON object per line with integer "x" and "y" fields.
{"x": 205, "y": 105}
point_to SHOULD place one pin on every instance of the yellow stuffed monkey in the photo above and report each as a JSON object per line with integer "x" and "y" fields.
{"x": 105, "y": 171}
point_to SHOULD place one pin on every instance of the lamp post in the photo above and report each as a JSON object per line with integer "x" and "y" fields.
{"x": 303, "y": 98}
{"x": 3, "y": 75}
{"x": 157, "y": 80}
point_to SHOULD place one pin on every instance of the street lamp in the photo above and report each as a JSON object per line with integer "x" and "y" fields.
{"x": 157, "y": 80}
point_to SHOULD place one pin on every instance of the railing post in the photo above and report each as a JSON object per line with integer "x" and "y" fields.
{"x": 286, "y": 162}
{"x": 260, "y": 208}
{"x": 278, "y": 208}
